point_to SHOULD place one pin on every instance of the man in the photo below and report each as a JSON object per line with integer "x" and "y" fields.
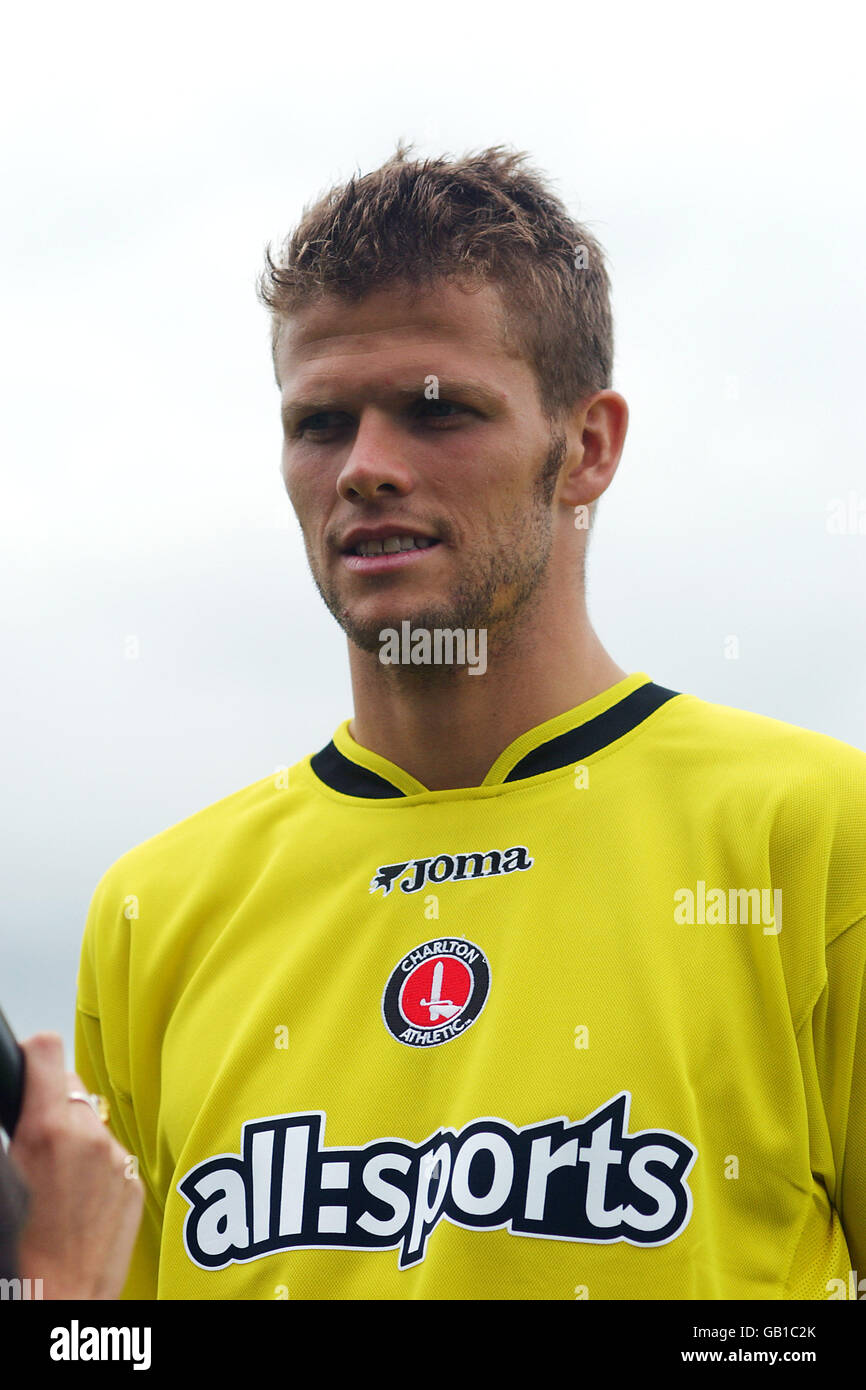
{"x": 539, "y": 980}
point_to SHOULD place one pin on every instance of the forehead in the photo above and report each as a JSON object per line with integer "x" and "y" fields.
{"x": 400, "y": 326}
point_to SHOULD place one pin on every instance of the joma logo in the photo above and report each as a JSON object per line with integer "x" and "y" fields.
{"x": 412, "y": 874}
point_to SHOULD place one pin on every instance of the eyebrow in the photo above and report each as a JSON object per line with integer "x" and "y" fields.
{"x": 466, "y": 387}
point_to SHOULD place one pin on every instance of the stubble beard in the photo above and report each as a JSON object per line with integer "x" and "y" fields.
{"x": 495, "y": 595}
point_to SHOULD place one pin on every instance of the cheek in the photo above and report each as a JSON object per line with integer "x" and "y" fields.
{"x": 300, "y": 487}
{"x": 312, "y": 500}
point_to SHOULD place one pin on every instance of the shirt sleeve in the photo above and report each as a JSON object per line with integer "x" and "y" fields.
{"x": 102, "y": 987}
{"x": 838, "y": 1036}
{"x": 142, "y": 1278}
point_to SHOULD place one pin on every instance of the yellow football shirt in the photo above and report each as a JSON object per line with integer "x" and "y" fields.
{"x": 594, "y": 1028}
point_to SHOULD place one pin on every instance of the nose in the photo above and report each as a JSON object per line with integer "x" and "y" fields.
{"x": 376, "y": 462}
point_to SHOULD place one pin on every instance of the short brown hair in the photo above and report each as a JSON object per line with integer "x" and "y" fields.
{"x": 485, "y": 218}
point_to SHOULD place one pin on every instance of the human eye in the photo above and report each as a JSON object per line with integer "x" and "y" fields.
{"x": 428, "y": 409}
{"x": 318, "y": 424}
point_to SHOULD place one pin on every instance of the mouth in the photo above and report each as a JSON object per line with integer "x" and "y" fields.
{"x": 395, "y": 552}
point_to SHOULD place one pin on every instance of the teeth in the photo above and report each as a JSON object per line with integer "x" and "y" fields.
{"x": 392, "y": 545}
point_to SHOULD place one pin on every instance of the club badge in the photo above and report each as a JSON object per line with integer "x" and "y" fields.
{"x": 436, "y": 992}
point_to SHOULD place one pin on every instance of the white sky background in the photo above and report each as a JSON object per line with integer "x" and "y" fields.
{"x": 149, "y": 153}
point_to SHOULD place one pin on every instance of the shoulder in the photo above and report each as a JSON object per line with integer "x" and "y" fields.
{"x": 181, "y": 884}
{"x": 799, "y": 793}
{"x": 213, "y": 847}
{"x": 205, "y": 828}
{"x": 763, "y": 748}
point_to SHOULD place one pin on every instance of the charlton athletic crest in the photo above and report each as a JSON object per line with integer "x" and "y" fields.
{"x": 436, "y": 992}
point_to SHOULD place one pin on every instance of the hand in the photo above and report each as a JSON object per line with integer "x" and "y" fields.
{"x": 85, "y": 1209}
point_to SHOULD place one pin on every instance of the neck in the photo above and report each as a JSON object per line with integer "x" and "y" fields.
{"x": 447, "y": 727}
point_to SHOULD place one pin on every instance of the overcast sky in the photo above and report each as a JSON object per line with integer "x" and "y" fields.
{"x": 148, "y": 155}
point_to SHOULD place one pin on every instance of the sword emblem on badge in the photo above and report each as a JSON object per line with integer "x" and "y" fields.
{"x": 439, "y": 1007}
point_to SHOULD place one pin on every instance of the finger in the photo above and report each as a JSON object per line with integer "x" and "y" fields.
{"x": 97, "y": 1105}
{"x": 45, "y": 1074}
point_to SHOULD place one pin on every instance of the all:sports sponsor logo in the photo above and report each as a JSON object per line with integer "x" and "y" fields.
{"x": 589, "y": 1181}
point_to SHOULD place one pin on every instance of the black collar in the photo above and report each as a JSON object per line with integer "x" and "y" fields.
{"x": 341, "y": 774}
